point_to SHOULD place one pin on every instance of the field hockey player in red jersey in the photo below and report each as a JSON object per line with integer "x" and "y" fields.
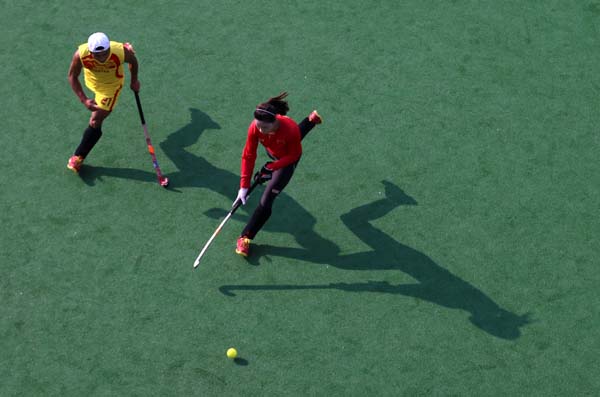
{"x": 281, "y": 136}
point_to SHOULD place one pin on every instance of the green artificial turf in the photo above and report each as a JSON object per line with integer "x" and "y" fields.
{"x": 438, "y": 237}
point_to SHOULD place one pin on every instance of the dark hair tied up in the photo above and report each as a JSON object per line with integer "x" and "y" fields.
{"x": 266, "y": 111}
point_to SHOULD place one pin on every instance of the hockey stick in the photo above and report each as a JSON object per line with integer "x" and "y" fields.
{"x": 234, "y": 208}
{"x": 162, "y": 180}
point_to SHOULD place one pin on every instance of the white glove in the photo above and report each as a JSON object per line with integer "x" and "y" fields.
{"x": 242, "y": 195}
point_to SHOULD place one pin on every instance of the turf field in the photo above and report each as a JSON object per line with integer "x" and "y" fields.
{"x": 439, "y": 236}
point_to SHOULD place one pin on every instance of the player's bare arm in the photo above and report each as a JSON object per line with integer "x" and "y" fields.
{"x": 73, "y": 76}
{"x": 131, "y": 59}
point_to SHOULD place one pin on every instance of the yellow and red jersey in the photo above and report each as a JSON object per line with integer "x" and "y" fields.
{"x": 103, "y": 75}
{"x": 284, "y": 145}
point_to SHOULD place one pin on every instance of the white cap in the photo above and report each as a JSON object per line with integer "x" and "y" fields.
{"x": 98, "y": 42}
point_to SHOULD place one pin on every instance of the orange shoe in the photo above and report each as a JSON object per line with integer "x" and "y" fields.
{"x": 243, "y": 246}
{"x": 75, "y": 163}
{"x": 315, "y": 118}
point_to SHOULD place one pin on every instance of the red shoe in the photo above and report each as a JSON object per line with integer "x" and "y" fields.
{"x": 315, "y": 118}
{"x": 75, "y": 163}
{"x": 243, "y": 246}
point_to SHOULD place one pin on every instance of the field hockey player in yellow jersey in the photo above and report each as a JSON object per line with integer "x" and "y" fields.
{"x": 102, "y": 63}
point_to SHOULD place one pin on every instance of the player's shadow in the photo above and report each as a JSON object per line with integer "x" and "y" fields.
{"x": 434, "y": 283}
{"x": 90, "y": 174}
{"x": 194, "y": 170}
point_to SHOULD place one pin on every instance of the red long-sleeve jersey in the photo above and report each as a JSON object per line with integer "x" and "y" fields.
{"x": 283, "y": 144}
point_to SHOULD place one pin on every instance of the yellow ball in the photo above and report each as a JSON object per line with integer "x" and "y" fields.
{"x": 231, "y": 352}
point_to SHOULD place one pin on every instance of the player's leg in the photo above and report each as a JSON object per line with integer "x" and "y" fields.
{"x": 90, "y": 137}
{"x": 309, "y": 123}
{"x": 262, "y": 213}
{"x": 106, "y": 101}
